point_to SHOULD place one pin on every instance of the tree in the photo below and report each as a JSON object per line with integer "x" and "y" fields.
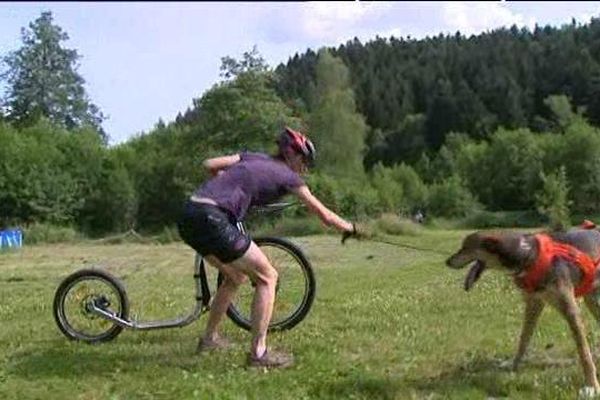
{"x": 244, "y": 112}
{"x": 561, "y": 110}
{"x": 451, "y": 198}
{"x": 391, "y": 195}
{"x": 47, "y": 173}
{"x": 552, "y": 201}
{"x": 42, "y": 80}
{"x": 338, "y": 130}
{"x": 163, "y": 168}
{"x": 442, "y": 114}
{"x": 404, "y": 144}
{"x": 471, "y": 85}
{"x": 578, "y": 151}
{"x": 251, "y": 61}
{"x": 511, "y": 165}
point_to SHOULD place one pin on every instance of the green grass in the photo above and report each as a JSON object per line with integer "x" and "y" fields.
{"x": 387, "y": 323}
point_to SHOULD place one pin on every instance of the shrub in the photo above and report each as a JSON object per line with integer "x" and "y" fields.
{"x": 413, "y": 188}
{"x": 47, "y": 233}
{"x": 390, "y": 193}
{"x": 552, "y": 201}
{"x": 392, "y": 224}
{"x": 450, "y": 198}
{"x": 482, "y": 219}
{"x": 325, "y": 188}
{"x": 169, "y": 234}
{"x": 289, "y": 227}
{"x": 348, "y": 197}
{"x": 356, "y": 200}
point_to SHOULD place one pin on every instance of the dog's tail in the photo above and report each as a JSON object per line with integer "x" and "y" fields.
{"x": 587, "y": 224}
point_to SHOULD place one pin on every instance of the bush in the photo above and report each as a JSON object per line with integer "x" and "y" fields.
{"x": 508, "y": 175}
{"x": 413, "y": 188}
{"x": 450, "y": 198}
{"x": 579, "y": 153}
{"x": 111, "y": 206}
{"x": 442, "y": 223}
{"x": 356, "y": 200}
{"x": 390, "y": 193}
{"x": 348, "y": 197}
{"x": 325, "y": 188}
{"x": 169, "y": 234}
{"x": 47, "y": 233}
{"x": 482, "y": 219}
{"x": 552, "y": 200}
{"x": 35, "y": 181}
{"x": 289, "y": 227}
{"x": 131, "y": 236}
{"x": 392, "y": 224}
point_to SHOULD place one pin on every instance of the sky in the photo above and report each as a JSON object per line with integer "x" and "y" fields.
{"x": 145, "y": 61}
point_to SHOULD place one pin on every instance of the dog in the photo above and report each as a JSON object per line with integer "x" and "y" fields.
{"x": 550, "y": 268}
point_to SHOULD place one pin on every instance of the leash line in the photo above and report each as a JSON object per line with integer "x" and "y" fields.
{"x": 409, "y": 246}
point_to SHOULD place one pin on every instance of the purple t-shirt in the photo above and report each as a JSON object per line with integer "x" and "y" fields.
{"x": 257, "y": 179}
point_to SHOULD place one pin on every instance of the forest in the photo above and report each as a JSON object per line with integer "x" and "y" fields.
{"x": 496, "y": 129}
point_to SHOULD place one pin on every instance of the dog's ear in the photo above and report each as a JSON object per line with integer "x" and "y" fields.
{"x": 504, "y": 249}
{"x": 474, "y": 274}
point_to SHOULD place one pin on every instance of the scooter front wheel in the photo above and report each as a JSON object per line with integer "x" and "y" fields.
{"x": 73, "y": 303}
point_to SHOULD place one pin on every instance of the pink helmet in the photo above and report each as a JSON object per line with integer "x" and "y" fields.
{"x": 291, "y": 139}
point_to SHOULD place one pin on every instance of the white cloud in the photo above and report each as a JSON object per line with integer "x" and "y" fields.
{"x": 329, "y": 22}
{"x": 338, "y": 11}
{"x": 473, "y": 17}
{"x": 145, "y": 83}
{"x": 395, "y": 32}
{"x": 333, "y": 23}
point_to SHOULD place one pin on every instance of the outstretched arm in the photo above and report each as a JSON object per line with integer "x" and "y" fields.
{"x": 214, "y": 165}
{"x": 328, "y": 217}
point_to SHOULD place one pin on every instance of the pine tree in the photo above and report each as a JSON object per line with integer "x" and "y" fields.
{"x": 42, "y": 80}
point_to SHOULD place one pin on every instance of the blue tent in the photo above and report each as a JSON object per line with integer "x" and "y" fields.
{"x": 11, "y": 238}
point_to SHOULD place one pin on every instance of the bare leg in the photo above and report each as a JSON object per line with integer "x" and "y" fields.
{"x": 255, "y": 264}
{"x": 533, "y": 309}
{"x": 223, "y": 296}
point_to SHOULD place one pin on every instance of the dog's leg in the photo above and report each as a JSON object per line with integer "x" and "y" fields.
{"x": 533, "y": 309}
{"x": 567, "y": 305}
{"x": 592, "y": 301}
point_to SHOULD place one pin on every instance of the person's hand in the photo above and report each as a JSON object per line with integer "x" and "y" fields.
{"x": 348, "y": 234}
{"x": 356, "y": 232}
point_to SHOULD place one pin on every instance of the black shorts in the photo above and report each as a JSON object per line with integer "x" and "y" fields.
{"x": 211, "y": 230}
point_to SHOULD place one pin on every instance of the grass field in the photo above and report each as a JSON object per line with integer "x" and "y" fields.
{"x": 387, "y": 323}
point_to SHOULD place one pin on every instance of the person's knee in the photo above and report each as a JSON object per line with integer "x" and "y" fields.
{"x": 258, "y": 267}
{"x": 267, "y": 276}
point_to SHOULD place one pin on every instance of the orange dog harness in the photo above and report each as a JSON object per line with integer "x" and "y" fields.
{"x": 548, "y": 250}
